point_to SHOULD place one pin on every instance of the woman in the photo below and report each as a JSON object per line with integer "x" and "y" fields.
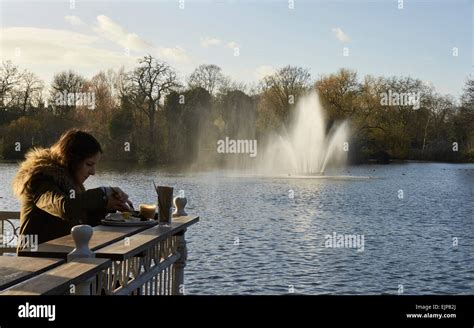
{"x": 50, "y": 186}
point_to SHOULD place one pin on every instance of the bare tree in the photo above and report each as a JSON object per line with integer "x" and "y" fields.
{"x": 30, "y": 91}
{"x": 151, "y": 81}
{"x": 64, "y": 84}
{"x": 338, "y": 92}
{"x": 228, "y": 85}
{"x": 105, "y": 101}
{"x": 104, "y": 85}
{"x": 9, "y": 79}
{"x": 282, "y": 89}
{"x": 123, "y": 83}
{"x": 466, "y": 114}
{"x": 208, "y": 77}
{"x": 467, "y": 98}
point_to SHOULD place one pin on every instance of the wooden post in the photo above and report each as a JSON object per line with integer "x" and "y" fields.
{"x": 178, "y": 275}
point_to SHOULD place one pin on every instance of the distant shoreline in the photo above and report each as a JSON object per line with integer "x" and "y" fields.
{"x": 135, "y": 164}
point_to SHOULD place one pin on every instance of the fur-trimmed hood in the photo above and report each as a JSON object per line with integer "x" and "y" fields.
{"x": 42, "y": 161}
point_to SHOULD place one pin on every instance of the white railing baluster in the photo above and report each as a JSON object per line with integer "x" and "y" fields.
{"x": 158, "y": 271}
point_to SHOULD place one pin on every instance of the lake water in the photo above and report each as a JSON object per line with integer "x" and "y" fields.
{"x": 416, "y": 221}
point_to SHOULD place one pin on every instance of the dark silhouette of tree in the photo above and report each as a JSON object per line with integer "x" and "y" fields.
{"x": 189, "y": 122}
{"x": 148, "y": 111}
{"x": 281, "y": 91}
{"x": 9, "y": 80}
{"x": 239, "y": 114}
{"x": 338, "y": 93}
{"x": 30, "y": 93}
{"x": 208, "y": 77}
{"x": 150, "y": 82}
{"x": 63, "y": 88}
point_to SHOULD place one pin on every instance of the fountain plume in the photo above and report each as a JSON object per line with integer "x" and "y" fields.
{"x": 307, "y": 148}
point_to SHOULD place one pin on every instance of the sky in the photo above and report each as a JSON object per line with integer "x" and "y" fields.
{"x": 247, "y": 39}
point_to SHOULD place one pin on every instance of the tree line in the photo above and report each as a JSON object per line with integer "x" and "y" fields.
{"x": 149, "y": 115}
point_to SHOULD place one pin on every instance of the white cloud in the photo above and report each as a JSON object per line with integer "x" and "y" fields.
{"x": 175, "y": 55}
{"x": 263, "y": 71}
{"x": 74, "y": 21}
{"x": 65, "y": 38}
{"x": 232, "y": 45}
{"x": 209, "y": 42}
{"x": 340, "y": 35}
{"x": 116, "y": 33}
{"x": 48, "y": 51}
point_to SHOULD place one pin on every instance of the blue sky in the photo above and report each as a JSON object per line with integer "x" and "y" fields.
{"x": 417, "y": 40}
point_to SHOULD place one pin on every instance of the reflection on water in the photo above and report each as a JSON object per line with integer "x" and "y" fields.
{"x": 254, "y": 238}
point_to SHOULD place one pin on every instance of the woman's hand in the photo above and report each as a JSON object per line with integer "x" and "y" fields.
{"x": 119, "y": 194}
{"x": 117, "y": 200}
{"x": 116, "y": 204}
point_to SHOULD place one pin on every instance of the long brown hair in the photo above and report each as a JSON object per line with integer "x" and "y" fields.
{"x": 75, "y": 146}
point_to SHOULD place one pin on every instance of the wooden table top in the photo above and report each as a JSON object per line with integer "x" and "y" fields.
{"x": 14, "y": 269}
{"x": 103, "y": 236}
{"x": 59, "y": 280}
{"x": 139, "y": 242}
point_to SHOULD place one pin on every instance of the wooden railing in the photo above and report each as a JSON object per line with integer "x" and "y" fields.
{"x": 77, "y": 277}
{"x": 149, "y": 263}
{"x": 128, "y": 260}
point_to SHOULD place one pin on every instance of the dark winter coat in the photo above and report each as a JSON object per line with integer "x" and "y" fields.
{"x": 51, "y": 202}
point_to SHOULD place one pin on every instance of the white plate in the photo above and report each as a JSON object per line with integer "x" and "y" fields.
{"x": 117, "y": 219}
